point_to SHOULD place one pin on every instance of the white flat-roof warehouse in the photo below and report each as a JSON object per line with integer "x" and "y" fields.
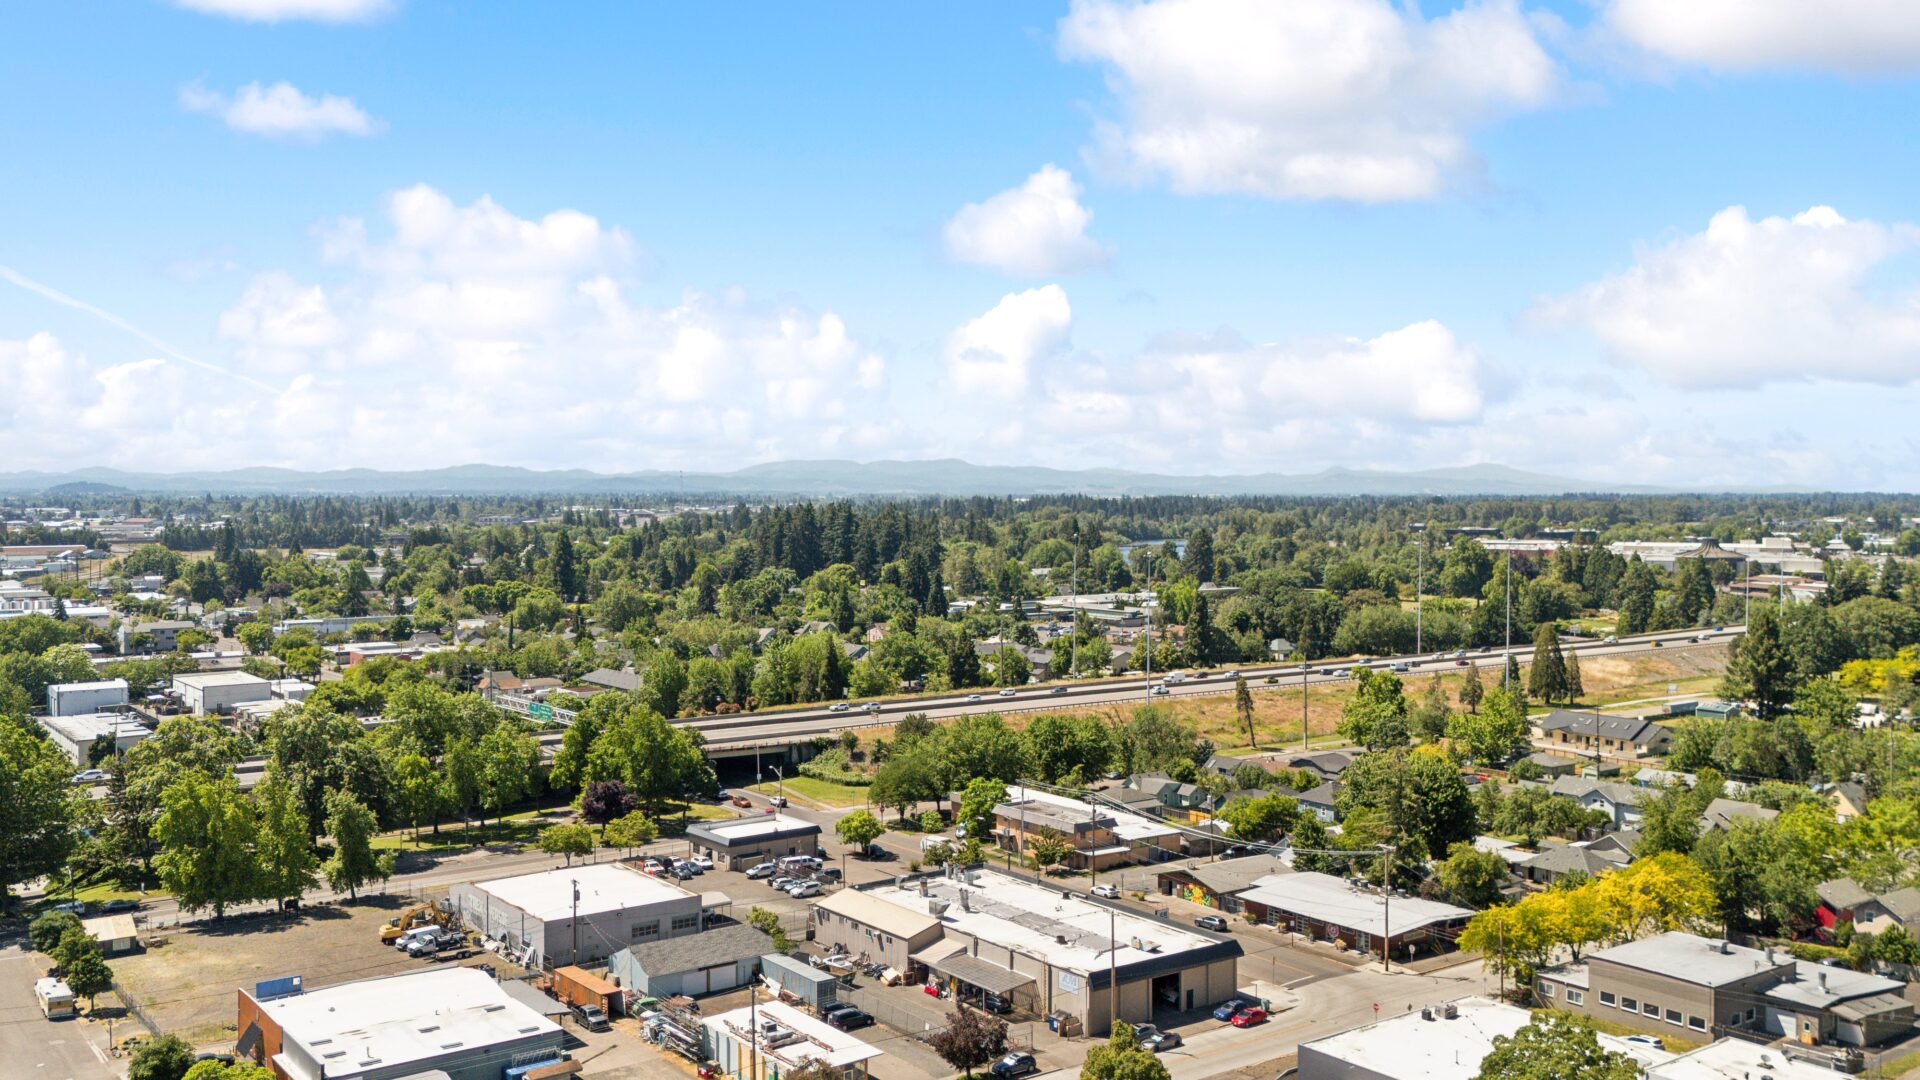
{"x": 75, "y": 735}
{"x": 457, "y": 1020}
{"x": 535, "y": 914}
{"x": 220, "y": 691}
{"x": 1441, "y": 1042}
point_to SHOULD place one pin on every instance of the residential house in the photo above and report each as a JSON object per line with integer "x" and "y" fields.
{"x": 1328, "y": 763}
{"x": 1099, "y": 836}
{"x": 1320, "y": 801}
{"x": 1171, "y": 794}
{"x": 1559, "y": 860}
{"x": 611, "y": 679}
{"x": 1621, "y": 801}
{"x": 1631, "y": 736}
{"x": 1849, "y": 800}
{"x": 1722, "y": 813}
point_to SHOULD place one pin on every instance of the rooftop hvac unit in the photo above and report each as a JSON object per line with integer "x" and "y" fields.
{"x": 1451, "y": 1010}
{"x": 936, "y": 908}
{"x": 1426, "y": 1012}
{"x": 965, "y": 904}
{"x": 1135, "y": 943}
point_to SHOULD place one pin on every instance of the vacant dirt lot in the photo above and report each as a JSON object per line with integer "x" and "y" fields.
{"x": 186, "y": 979}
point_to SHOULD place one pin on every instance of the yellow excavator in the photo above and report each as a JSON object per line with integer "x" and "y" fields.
{"x": 417, "y": 915}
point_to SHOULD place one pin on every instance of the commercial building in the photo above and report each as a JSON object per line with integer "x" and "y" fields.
{"x": 724, "y": 958}
{"x": 455, "y": 1019}
{"x": 1695, "y": 987}
{"x": 576, "y": 915}
{"x": 1040, "y": 948}
{"x": 1328, "y": 908}
{"x": 113, "y": 933}
{"x": 738, "y": 843}
{"x": 1099, "y": 836}
{"x": 80, "y": 698}
{"x": 75, "y": 735}
{"x": 767, "y": 1041}
{"x": 1736, "y": 1059}
{"x": 1440, "y": 1042}
{"x": 1218, "y": 884}
{"x": 219, "y": 691}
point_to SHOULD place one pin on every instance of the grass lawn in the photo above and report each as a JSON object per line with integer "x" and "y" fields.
{"x": 521, "y": 828}
{"x": 1673, "y": 1043}
{"x": 824, "y": 792}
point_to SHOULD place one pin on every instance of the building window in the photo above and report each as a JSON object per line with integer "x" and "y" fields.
{"x": 1650, "y": 1009}
{"x": 646, "y": 929}
{"x": 1734, "y": 1020}
{"x": 1607, "y": 999}
{"x": 685, "y": 922}
{"x": 1749, "y": 1016}
{"x": 1629, "y": 1004}
{"x": 1546, "y": 989}
{"x": 1674, "y": 1017}
{"x": 1575, "y": 997}
{"x": 1696, "y": 1023}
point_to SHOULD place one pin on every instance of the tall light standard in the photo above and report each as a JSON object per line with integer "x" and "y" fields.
{"x": 1506, "y": 669}
{"x": 1420, "y": 590}
{"x": 1148, "y": 554}
{"x": 780, "y": 775}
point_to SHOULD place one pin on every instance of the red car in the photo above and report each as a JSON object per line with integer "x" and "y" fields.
{"x": 1249, "y": 1016}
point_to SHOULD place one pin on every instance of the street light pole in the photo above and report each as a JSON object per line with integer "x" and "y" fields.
{"x": 1420, "y": 594}
{"x": 1149, "y": 584}
{"x": 1506, "y": 668}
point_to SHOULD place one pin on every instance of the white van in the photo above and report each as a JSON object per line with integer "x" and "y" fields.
{"x": 419, "y": 933}
{"x": 55, "y": 999}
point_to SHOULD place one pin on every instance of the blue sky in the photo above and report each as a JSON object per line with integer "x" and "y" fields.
{"x": 1182, "y": 235}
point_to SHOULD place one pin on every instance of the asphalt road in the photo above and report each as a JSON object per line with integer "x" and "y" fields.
{"x": 32, "y": 1045}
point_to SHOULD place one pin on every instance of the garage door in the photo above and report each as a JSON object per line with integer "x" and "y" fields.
{"x": 714, "y": 979}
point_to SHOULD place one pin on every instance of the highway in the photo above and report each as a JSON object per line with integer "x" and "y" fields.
{"x": 790, "y": 725}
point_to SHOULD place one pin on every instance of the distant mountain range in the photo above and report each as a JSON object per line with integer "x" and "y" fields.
{"x": 809, "y": 479}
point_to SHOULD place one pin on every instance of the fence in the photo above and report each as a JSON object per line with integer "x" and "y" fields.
{"x": 133, "y": 1008}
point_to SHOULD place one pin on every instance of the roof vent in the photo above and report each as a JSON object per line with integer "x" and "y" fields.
{"x": 1059, "y": 939}
{"x": 1451, "y": 1010}
{"x": 1426, "y": 1012}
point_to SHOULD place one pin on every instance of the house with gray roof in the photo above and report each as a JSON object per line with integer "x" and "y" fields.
{"x": 1321, "y": 801}
{"x": 1559, "y": 860}
{"x": 1722, "y": 813}
{"x": 1631, "y": 736}
{"x": 724, "y": 958}
{"x": 1622, "y": 801}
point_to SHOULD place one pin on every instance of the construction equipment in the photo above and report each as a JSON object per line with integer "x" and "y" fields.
{"x": 416, "y": 916}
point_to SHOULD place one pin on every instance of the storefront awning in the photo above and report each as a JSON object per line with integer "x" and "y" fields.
{"x": 977, "y": 972}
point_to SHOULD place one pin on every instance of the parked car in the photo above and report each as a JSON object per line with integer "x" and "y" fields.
{"x": 90, "y": 776}
{"x": 761, "y": 870}
{"x": 828, "y": 873}
{"x": 702, "y": 861}
{"x": 1159, "y": 1041}
{"x": 782, "y": 883}
{"x": 994, "y": 1003}
{"x": 1225, "y": 1010}
{"x": 800, "y": 890}
{"x": 1645, "y": 1040}
{"x": 72, "y": 907}
{"x": 114, "y": 907}
{"x": 1215, "y": 923}
{"x": 592, "y": 1017}
{"x": 1249, "y": 1016}
{"x": 1109, "y": 892}
{"x": 1018, "y": 1063}
{"x": 846, "y": 1017}
{"x": 692, "y": 865}
{"x": 682, "y": 871}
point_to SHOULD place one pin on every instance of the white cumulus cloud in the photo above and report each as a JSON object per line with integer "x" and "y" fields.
{"x": 1309, "y": 99}
{"x": 337, "y": 11}
{"x": 281, "y": 111}
{"x": 1736, "y": 35}
{"x": 993, "y": 355}
{"x": 1034, "y": 230}
{"x": 1749, "y": 302}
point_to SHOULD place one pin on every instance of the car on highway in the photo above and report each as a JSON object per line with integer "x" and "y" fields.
{"x": 1225, "y": 1010}
{"x": 839, "y": 706}
{"x": 1610, "y": 639}
{"x": 779, "y": 801}
{"x": 1058, "y": 690}
{"x": 1159, "y": 689}
{"x": 1006, "y": 691}
{"x": 1463, "y": 663}
{"x": 1402, "y": 669}
{"x": 1215, "y": 923}
{"x": 871, "y": 706}
{"x": 762, "y": 870}
{"x": 90, "y": 776}
{"x": 1018, "y": 1063}
{"x": 1249, "y": 1016}
{"x": 1273, "y": 678}
{"x": 1108, "y": 892}
{"x": 973, "y": 697}
{"x": 1659, "y": 644}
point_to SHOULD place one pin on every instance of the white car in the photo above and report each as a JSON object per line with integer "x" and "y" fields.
{"x": 1006, "y": 691}
{"x": 1108, "y": 892}
{"x": 1158, "y": 690}
{"x": 838, "y": 706}
{"x": 1610, "y": 639}
{"x": 871, "y": 706}
{"x": 973, "y": 697}
{"x": 90, "y": 776}
{"x": 800, "y": 890}
{"x": 702, "y": 862}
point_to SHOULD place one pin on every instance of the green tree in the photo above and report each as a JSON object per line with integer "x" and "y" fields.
{"x": 1555, "y": 1046}
{"x": 1576, "y": 683}
{"x": 1420, "y": 795}
{"x": 1547, "y": 676}
{"x": 567, "y": 839}
{"x": 1376, "y": 715}
{"x": 977, "y": 801}
{"x": 288, "y": 866}
{"x": 768, "y": 922}
{"x": 167, "y": 1057}
{"x": 860, "y": 829}
{"x": 509, "y": 757}
{"x": 629, "y": 832}
{"x": 1010, "y": 667}
{"x": 1243, "y": 708}
{"x": 84, "y": 968}
{"x": 1259, "y": 819}
{"x": 1471, "y": 877}
{"x": 48, "y": 928}
{"x": 1760, "y": 669}
{"x": 1494, "y": 734}
{"x": 37, "y": 808}
{"x": 419, "y": 791}
{"x": 354, "y": 862}
{"x": 1122, "y": 1057}
{"x": 206, "y": 834}
{"x": 1471, "y": 691}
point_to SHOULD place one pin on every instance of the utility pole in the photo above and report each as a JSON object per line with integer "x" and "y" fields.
{"x": 1420, "y": 593}
{"x": 1113, "y": 970}
{"x": 1303, "y": 700}
{"x": 573, "y": 950}
{"x": 1506, "y": 677}
{"x": 1149, "y": 584}
{"x": 1386, "y": 913}
{"x": 1075, "y": 671}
